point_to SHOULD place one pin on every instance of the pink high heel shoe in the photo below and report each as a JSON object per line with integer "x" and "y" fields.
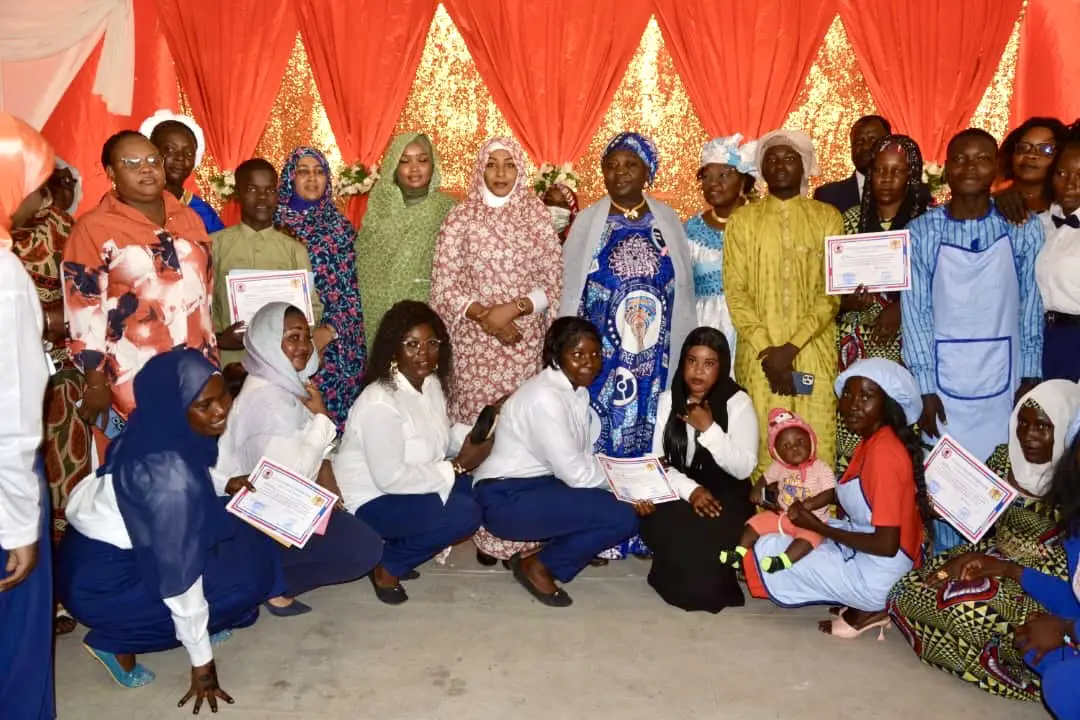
{"x": 842, "y": 629}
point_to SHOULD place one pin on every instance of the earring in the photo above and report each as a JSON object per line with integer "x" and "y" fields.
{"x": 393, "y": 366}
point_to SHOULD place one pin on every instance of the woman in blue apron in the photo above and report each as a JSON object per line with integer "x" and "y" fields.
{"x": 884, "y": 498}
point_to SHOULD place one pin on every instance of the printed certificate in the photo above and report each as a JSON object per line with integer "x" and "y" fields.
{"x": 880, "y": 262}
{"x": 965, "y": 493}
{"x": 637, "y": 479}
{"x": 285, "y": 506}
{"x": 249, "y": 290}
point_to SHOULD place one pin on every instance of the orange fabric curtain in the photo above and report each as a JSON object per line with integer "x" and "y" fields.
{"x": 1048, "y": 63}
{"x": 364, "y": 55}
{"x": 80, "y": 124}
{"x": 928, "y": 62}
{"x": 552, "y": 67}
{"x": 743, "y": 63}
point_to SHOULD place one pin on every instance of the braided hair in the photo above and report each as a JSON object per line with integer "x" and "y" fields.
{"x": 913, "y": 204}
{"x": 894, "y": 417}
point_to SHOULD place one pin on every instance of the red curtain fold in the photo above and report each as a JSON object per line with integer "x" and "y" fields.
{"x": 80, "y": 124}
{"x": 1048, "y": 63}
{"x": 551, "y": 67}
{"x": 364, "y": 55}
{"x": 743, "y": 63}
{"x": 928, "y": 62}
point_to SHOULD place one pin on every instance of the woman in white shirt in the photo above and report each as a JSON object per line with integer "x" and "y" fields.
{"x": 151, "y": 560}
{"x": 393, "y": 466}
{"x": 279, "y": 414}
{"x": 542, "y": 481}
{"x": 707, "y": 430}
{"x": 1057, "y": 269}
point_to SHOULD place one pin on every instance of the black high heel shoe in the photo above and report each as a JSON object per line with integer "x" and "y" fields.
{"x": 484, "y": 559}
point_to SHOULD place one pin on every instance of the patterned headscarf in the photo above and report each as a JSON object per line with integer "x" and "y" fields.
{"x": 913, "y": 205}
{"x": 26, "y": 161}
{"x": 798, "y": 141}
{"x": 307, "y": 219}
{"x": 639, "y": 145}
{"x": 733, "y": 151}
{"x": 521, "y": 202}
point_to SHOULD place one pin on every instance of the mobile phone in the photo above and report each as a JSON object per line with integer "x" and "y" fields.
{"x": 804, "y": 382}
{"x": 771, "y": 495}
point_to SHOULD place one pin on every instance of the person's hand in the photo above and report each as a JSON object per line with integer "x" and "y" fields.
{"x": 96, "y": 399}
{"x": 757, "y": 493}
{"x": 314, "y": 400}
{"x": 1010, "y": 203}
{"x": 232, "y": 337}
{"x": 237, "y": 484}
{"x": 509, "y": 335}
{"x": 932, "y": 411}
{"x": 705, "y": 504}
{"x": 472, "y": 454}
{"x": 1026, "y": 386}
{"x": 1042, "y": 634}
{"x": 802, "y": 518}
{"x": 698, "y": 416}
{"x": 970, "y": 566}
{"x": 327, "y": 480}
{"x": 204, "y": 686}
{"x": 20, "y": 563}
{"x": 887, "y": 324}
{"x": 858, "y": 300}
{"x": 55, "y": 326}
{"x": 644, "y": 507}
{"x": 498, "y": 404}
{"x": 498, "y": 317}
{"x": 323, "y": 336}
{"x": 778, "y": 364}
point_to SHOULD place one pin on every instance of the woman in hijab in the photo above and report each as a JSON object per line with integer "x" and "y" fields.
{"x": 971, "y": 632}
{"x": 151, "y": 559}
{"x": 26, "y": 577}
{"x": 404, "y": 213}
{"x": 870, "y": 322}
{"x": 280, "y": 414}
{"x": 182, "y": 145}
{"x": 628, "y": 271}
{"x": 306, "y": 210}
{"x": 562, "y": 203}
{"x": 65, "y": 186}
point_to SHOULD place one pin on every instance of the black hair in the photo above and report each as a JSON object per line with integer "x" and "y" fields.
{"x": 894, "y": 417}
{"x": 1008, "y": 145}
{"x": 873, "y": 118}
{"x": 1064, "y": 493}
{"x": 114, "y": 140}
{"x": 253, "y": 164}
{"x": 169, "y": 125}
{"x": 675, "y": 431}
{"x": 747, "y": 185}
{"x": 563, "y": 333}
{"x": 913, "y": 204}
{"x": 1071, "y": 140}
{"x": 971, "y": 132}
{"x": 393, "y": 327}
{"x": 234, "y": 376}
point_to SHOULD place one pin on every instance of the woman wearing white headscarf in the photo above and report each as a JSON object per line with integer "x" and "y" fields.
{"x": 280, "y": 414}
{"x": 971, "y": 635}
{"x": 180, "y": 141}
{"x": 65, "y": 186}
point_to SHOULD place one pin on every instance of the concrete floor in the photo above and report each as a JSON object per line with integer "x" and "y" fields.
{"x": 472, "y": 645}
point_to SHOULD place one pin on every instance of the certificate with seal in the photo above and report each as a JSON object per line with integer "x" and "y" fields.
{"x": 880, "y": 262}
{"x": 964, "y": 492}
{"x": 637, "y": 479}
{"x": 249, "y": 290}
{"x": 286, "y": 506}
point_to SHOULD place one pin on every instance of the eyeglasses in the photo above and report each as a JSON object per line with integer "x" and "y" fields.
{"x": 137, "y": 163}
{"x": 413, "y": 346}
{"x": 1045, "y": 149}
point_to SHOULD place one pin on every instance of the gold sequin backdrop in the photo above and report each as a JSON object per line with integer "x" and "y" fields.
{"x": 450, "y": 101}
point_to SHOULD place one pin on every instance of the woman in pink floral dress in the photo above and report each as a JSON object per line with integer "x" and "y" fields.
{"x": 496, "y": 283}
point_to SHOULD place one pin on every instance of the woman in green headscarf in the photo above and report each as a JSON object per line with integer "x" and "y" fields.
{"x": 395, "y": 243}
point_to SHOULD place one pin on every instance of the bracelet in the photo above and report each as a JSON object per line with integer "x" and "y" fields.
{"x": 459, "y": 469}
{"x": 105, "y": 385}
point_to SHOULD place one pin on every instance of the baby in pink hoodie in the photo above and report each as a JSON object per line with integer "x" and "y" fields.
{"x": 795, "y": 474}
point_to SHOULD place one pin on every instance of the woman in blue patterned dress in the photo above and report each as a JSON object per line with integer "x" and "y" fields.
{"x": 306, "y": 211}
{"x": 627, "y": 269}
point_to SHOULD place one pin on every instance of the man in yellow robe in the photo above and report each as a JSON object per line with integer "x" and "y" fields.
{"x": 774, "y": 279}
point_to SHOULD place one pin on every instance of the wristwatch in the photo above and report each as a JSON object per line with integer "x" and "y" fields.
{"x": 522, "y": 305}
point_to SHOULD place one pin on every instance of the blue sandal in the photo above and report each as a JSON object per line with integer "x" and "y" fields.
{"x": 220, "y": 638}
{"x": 135, "y": 678}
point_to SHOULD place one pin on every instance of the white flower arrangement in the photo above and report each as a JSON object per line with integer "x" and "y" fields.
{"x": 224, "y": 184}
{"x": 355, "y": 179}
{"x": 549, "y": 175}
{"x": 934, "y": 177}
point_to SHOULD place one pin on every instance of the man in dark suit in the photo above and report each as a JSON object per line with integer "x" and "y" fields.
{"x": 865, "y": 134}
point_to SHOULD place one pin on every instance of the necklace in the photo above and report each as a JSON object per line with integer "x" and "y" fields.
{"x": 716, "y": 218}
{"x": 629, "y": 213}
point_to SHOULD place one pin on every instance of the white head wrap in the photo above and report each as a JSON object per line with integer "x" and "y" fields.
{"x": 148, "y": 125}
{"x": 732, "y": 151}
{"x": 798, "y": 141}
{"x": 894, "y": 379}
{"x": 1059, "y": 399}
{"x": 265, "y": 359}
{"x": 77, "y": 192}
{"x": 491, "y": 199}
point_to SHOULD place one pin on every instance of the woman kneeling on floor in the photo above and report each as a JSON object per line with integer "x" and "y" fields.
{"x": 151, "y": 559}
{"x": 281, "y": 415}
{"x": 883, "y": 495}
{"x": 393, "y": 464}
{"x": 542, "y": 481}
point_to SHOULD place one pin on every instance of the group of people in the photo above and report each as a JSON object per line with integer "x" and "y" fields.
{"x": 508, "y": 342}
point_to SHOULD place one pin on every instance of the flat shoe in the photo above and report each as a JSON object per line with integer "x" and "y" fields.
{"x": 559, "y": 598}
{"x": 486, "y": 560}
{"x": 131, "y": 679}
{"x": 391, "y": 596}
{"x": 296, "y": 608}
{"x": 412, "y": 575}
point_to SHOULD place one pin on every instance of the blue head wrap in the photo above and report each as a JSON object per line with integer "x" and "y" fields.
{"x": 639, "y": 145}
{"x": 732, "y": 150}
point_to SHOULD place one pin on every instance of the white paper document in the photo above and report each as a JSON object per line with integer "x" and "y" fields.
{"x": 637, "y": 479}
{"x": 249, "y": 290}
{"x": 880, "y": 262}
{"x": 965, "y": 493}
{"x": 285, "y": 506}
